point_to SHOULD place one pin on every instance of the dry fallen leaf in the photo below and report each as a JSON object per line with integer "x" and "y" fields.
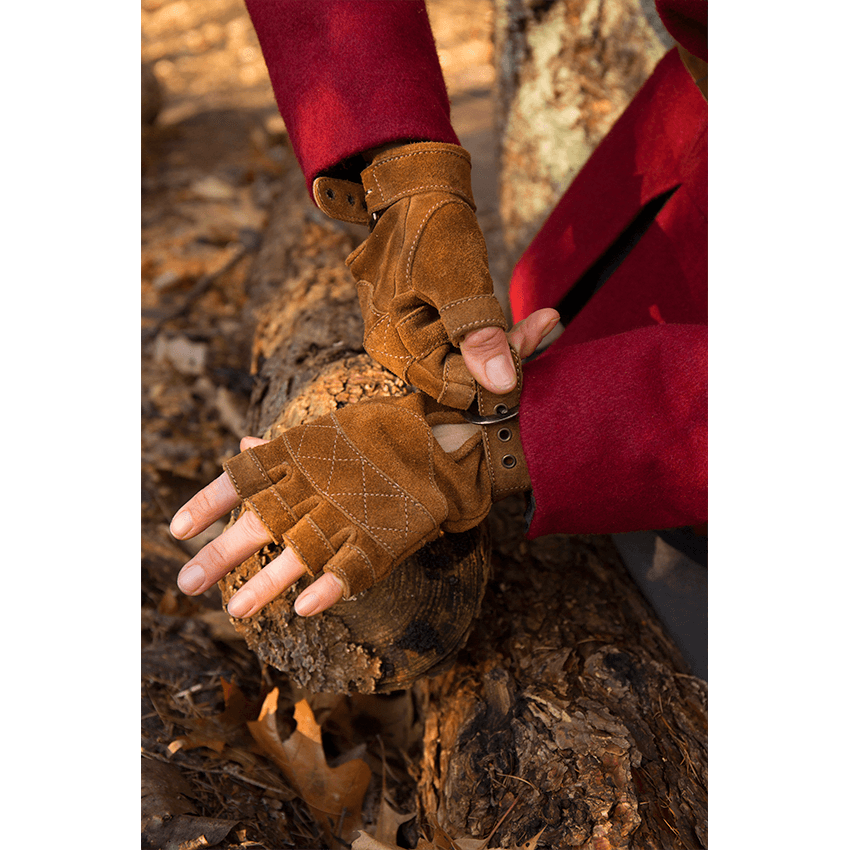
{"x": 334, "y": 794}
{"x": 223, "y": 729}
{"x": 364, "y": 841}
{"x": 443, "y": 841}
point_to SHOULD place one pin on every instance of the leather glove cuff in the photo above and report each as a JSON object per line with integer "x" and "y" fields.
{"x": 395, "y": 174}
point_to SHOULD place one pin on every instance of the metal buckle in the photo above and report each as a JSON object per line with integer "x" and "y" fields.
{"x": 502, "y": 414}
{"x": 374, "y": 218}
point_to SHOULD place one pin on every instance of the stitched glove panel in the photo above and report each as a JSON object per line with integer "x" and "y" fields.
{"x": 422, "y": 275}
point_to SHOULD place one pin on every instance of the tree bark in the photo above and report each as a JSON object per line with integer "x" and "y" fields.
{"x": 307, "y": 361}
{"x": 566, "y": 69}
{"x": 569, "y": 707}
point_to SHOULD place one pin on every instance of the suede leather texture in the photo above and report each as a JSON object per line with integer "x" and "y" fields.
{"x": 422, "y": 275}
{"x": 505, "y": 457}
{"x": 357, "y": 491}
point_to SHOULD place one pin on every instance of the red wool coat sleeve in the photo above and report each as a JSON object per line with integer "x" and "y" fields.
{"x": 350, "y": 76}
{"x": 624, "y": 446}
{"x": 613, "y": 416}
{"x": 615, "y": 432}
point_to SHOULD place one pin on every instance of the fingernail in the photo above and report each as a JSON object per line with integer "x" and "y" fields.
{"x": 307, "y": 604}
{"x": 190, "y": 579}
{"x": 240, "y": 604}
{"x": 181, "y": 524}
{"x": 500, "y": 373}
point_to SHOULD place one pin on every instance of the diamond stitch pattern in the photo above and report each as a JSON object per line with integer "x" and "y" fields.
{"x": 355, "y": 486}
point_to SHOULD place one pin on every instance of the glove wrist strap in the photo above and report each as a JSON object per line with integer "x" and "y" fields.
{"x": 341, "y": 199}
{"x": 417, "y": 168}
{"x": 499, "y": 417}
{"x": 395, "y": 174}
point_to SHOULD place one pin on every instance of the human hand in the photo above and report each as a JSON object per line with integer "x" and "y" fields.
{"x": 425, "y": 290}
{"x": 487, "y": 355}
{"x": 248, "y": 534}
{"x": 235, "y": 545}
{"x": 351, "y": 494}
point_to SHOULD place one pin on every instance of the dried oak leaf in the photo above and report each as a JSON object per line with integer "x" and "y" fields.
{"x": 334, "y": 794}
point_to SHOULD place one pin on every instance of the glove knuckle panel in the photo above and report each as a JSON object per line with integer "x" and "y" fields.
{"x": 358, "y": 566}
{"x": 247, "y": 474}
{"x": 444, "y": 376}
{"x": 420, "y": 330}
{"x": 273, "y": 511}
{"x": 309, "y": 538}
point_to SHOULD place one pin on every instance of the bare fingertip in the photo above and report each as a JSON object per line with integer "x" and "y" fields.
{"x": 500, "y": 373}
{"x": 181, "y": 525}
{"x": 239, "y": 605}
{"x": 191, "y": 579}
{"x": 307, "y": 604}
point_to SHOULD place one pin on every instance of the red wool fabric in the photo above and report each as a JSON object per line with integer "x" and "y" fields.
{"x": 351, "y": 75}
{"x": 613, "y": 416}
{"x": 660, "y": 142}
{"x": 687, "y": 22}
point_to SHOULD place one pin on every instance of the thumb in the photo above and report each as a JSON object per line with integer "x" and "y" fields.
{"x": 488, "y": 357}
{"x": 526, "y": 335}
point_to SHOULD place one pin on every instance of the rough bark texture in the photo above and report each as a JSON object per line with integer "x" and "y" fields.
{"x": 566, "y": 69}
{"x": 308, "y": 361}
{"x": 569, "y": 706}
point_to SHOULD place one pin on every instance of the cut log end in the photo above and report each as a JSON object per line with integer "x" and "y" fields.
{"x": 411, "y": 624}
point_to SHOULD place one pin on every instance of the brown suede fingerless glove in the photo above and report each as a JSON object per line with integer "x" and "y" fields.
{"x": 422, "y": 274}
{"x": 357, "y": 491}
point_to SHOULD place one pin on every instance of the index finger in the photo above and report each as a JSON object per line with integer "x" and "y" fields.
{"x": 205, "y": 507}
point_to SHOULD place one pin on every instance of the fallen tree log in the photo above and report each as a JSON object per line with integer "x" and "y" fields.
{"x": 568, "y": 708}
